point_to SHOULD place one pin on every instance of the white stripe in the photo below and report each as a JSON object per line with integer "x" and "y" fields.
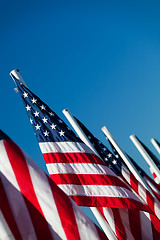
{"x": 78, "y": 168}
{"x": 15, "y": 198}
{"x": 5, "y": 232}
{"x": 142, "y": 193}
{"x": 110, "y": 218}
{"x": 45, "y": 198}
{"x": 86, "y": 227}
{"x": 97, "y": 191}
{"x": 125, "y": 174}
{"x": 146, "y": 226}
{"x": 64, "y": 147}
{"x": 124, "y": 215}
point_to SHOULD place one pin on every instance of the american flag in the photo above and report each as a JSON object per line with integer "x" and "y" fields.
{"x": 72, "y": 165}
{"x": 32, "y": 206}
{"x": 115, "y": 162}
{"x": 81, "y": 173}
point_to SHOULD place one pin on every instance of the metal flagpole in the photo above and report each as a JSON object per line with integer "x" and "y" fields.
{"x": 126, "y": 160}
{"x": 155, "y": 144}
{"x": 103, "y": 223}
{"x": 15, "y": 73}
{"x": 145, "y": 155}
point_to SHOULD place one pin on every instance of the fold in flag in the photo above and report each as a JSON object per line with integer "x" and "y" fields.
{"x": 32, "y": 206}
{"x": 73, "y": 166}
{"x": 117, "y": 165}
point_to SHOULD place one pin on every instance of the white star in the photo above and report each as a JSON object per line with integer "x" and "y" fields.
{"x": 116, "y": 156}
{"x": 46, "y": 134}
{"x": 25, "y": 94}
{"x": 45, "y": 120}
{"x": 34, "y": 100}
{"x": 61, "y": 133}
{"x": 28, "y": 108}
{"x": 43, "y": 107}
{"x": 104, "y": 149}
{"x": 114, "y": 161}
{"x": 36, "y": 114}
{"x": 106, "y": 159}
{"x": 51, "y": 114}
{"x": 38, "y": 127}
{"x": 109, "y": 155}
{"x": 31, "y": 120}
{"x": 53, "y": 126}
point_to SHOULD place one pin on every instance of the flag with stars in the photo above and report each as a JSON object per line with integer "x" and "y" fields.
{"x": 115, "y": 162}
{"x": 82, "y": 175}
{"x": 72, "y": 165}
{"x": 117, "y": 218}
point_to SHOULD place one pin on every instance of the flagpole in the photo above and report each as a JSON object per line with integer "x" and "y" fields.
{"x": 145, "y": 155}
{"x": 155, "y": 144}
{"x": 126, "y": 159}
{"x": 15, "y": 74}
{"x": 103, "y": 223}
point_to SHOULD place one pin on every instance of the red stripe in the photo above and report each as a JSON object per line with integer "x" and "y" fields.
{"x": 150, "y": 201}
{"x": 66, "y": 212}
{"x": 155, "y": 227}
{"x": 7, "y": 212}
{"x": 152, "y": 182}
{"x": 113, "y": 202}
{"x": 75, "y": 157}
{"x": 134, "y": 183}
{"x": 154, "y": 175}
{"x": 135, "y": 224}
{"x": 119, "y": 227}
{"x": 88, "y": 179}
{"x": 21, "y": 171}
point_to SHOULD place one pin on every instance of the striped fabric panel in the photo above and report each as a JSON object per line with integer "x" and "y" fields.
{"x": 86, "y": 178}
{"x": 131, "y": 224}
{"x": 8, "y": 222}
{"x": 144, "y": 194}
{"x": 33, "y": 195}
{"x": 153, "y": 185}
{"x": 5, "y": 229}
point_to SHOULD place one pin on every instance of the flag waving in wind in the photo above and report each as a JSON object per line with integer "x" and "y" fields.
{"x": 32, "y": 206}
{"x": 73, "y": 166}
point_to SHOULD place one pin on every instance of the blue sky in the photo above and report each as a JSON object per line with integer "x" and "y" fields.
{"x": 99, "y": 59}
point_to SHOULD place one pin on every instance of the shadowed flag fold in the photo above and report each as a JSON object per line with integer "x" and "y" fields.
{"x": 32, "y": 206}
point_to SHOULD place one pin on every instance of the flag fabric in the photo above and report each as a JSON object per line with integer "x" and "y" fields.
{"x": 152, "y": 202}
{"x": 32, "y": 206}
{"x": 117, "y": 165}
{"x": 72, "y": 165}
{"x": 82, "y": 174}
{"x": 155, "y": 160}
{"x": 151, "y": 183}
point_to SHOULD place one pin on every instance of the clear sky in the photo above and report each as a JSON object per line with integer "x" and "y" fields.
{"x": 99, "y": 59}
